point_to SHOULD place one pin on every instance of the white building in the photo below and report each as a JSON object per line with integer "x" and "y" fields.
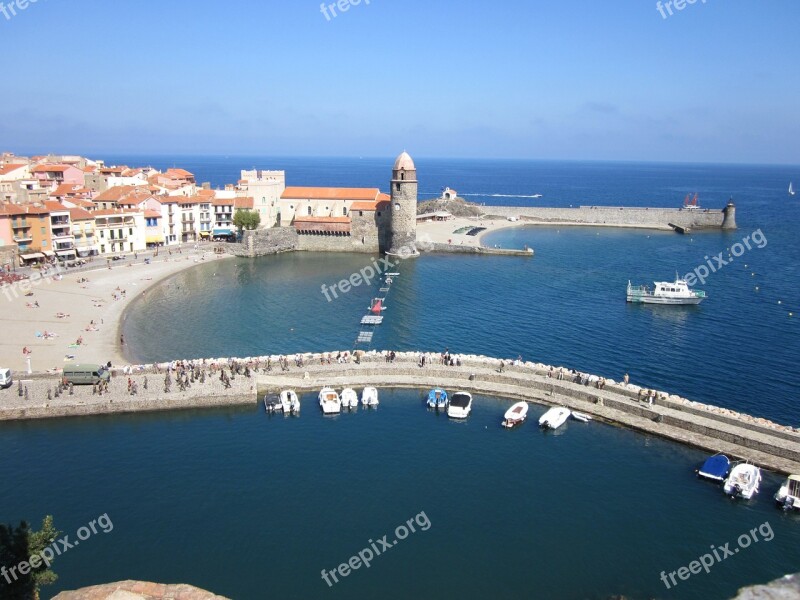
{"x": 266, "y": 188}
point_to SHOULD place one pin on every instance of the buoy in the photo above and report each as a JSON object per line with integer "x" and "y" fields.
{"x": 756, "y": 288}
{"x": 779, "y": 302}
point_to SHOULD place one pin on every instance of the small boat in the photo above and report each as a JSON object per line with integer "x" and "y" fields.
{"x": 437, "y": 398}
{"x": 515, "y": 415}
{"x": 715, "y": 468}
{"x": 349, "y": 398}
{"x": 579, "y": 416}
{"x": 460, "y": 405}
{"x": 743, "y": 481}
{"x": 329, "y": 401}
{"x": 272, "y": 403}
{"x": 554, "y": 418}
{"x": 369, "y": 396}
{"x": 791, "y": 189}
{"x": 290, "y": 402}
{"x": 665, "y": 292}
{"x": 788, "y": 496}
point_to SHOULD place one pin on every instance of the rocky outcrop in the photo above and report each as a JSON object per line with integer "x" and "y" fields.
{"x": 457, "y": 207}
{"x": 139, "y": 590}
{"x": 785, "y": 588}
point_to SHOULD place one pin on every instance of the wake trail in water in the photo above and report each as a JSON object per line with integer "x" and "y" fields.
{"x": 504, "y": 195}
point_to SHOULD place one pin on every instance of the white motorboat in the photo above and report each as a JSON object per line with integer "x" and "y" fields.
{"x": 788, "y": 496}
{"x": 515, "y": 415}
{"x": 329, "y": 401}
{"x": 290, "y": 402}
{"x": 579, "y": 416}
{"x": 677, "y": 292}
{"x": 349, "y": 398}
{"x": 369, "y": 396}
{"x": 554, "y": 418}
{"x": 791, "y": 189}
{"x": 460, "y": 405}
{"x": 743, "y": 481}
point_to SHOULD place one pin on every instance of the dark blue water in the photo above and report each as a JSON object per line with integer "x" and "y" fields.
{"x": 252, "y": 507}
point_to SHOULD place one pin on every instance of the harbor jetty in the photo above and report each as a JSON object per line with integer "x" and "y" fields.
{"x": 621, "y": 216}
{"x": 770, "y": 445}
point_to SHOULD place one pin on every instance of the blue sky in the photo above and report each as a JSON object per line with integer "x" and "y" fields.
{"x": 607, "y": 80}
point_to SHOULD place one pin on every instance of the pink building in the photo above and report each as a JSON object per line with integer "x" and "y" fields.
{"x": 52, "y": 176}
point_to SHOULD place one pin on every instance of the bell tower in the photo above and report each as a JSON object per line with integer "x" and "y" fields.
{"x": 403, "y": 221}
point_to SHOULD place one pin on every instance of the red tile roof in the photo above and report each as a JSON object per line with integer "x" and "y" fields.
{"x": 329, "y": 193}
{"x": 78, "y": 214}
{"x": 6, "y": 169}
{"x": 50, "y": 168}
{"x": 243, "y": 203}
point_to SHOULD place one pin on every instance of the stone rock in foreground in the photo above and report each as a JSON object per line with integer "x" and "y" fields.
{"x": 785, "y": 588}
{"x": 139, "y": 590}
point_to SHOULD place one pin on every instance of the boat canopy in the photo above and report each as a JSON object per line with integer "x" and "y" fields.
{"x": 794, "y": 485}
{"x": 716, "y": 467}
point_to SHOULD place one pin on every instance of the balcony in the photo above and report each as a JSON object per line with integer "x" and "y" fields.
{"x": 59, "y": 221}
{"x": 21, "y": 239}
{"x": 62, "y": 233}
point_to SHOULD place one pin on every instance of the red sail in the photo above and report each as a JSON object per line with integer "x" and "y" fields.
{"x": 694, "y": 201}
{"x": 377, "y": 307}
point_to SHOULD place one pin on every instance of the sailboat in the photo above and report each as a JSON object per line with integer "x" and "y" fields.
{"x": 791, "y": 189}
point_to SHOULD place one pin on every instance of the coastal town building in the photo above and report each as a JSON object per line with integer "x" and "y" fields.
{"x": 266, "y": 189}
{"x": 83, "y": 229}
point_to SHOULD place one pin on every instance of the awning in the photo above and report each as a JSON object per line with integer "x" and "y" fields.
{"x": 65, "y": 252}
{"x": 222, "y": 232}
{"x": 48, "y": 253}
{"x": 205, "y": 233}
{"x": 154, "y": 239}
{"x": 31, "y": 256}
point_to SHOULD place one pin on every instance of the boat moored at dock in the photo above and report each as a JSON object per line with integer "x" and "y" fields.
{"x": 677, "y": 292}
{"x": 743, "y": 481}
{"x": 460, "y": 405}
{"x": 349, "y": 398}
{"x": 290, "y": 402}
{"x": 715, "y": 468}
{"x": 369, "y": 396}
{"x": 437, "y": 398}
{"x": 554, "y": 418}
{"x": 788, "y": 496}
{"x": 515, "y": 415}
{"x": 272, "y": 403}
{"x": 329, "y": 401}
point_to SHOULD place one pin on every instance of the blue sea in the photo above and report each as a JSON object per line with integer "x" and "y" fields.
{"x": 252, "y": 507}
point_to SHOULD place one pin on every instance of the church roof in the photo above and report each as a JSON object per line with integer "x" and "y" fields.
{"x": 404, "y": 161}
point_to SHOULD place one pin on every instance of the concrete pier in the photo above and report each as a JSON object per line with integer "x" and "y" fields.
{"x": 740, "y": 436}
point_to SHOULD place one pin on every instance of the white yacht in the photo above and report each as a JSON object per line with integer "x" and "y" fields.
{"x": 349, "y": 398}
{"x": 788, "y": 495}
{"x": 515, "y": 415}
{"x": 329, "y": 401}
{"x": 460, "y": 405}
{"x": 554, "y": 418}
{"x": 665, "y": 292}
{"x": 290, "y": 402}
{"x": 743, "y": 481}
{"x": 369, "y": 396}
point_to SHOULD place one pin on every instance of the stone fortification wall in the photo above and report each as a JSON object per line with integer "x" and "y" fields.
{"x": 654, "y": 218}
{"x": 263, "y": 242}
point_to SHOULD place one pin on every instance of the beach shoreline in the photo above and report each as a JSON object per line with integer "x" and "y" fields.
{"x": 81, "y": 303}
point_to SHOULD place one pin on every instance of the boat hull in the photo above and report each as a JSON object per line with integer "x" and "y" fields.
{"x": 515, "y": 415}
{"x": 743, "y": 481}
{"x": 554, "y": 418}
{"x": 667, "y": 301}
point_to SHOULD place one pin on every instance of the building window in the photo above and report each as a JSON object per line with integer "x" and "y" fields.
{"x": 130, "y": 231}
{"x": 397, "y": 186}
{"x": 397, "y": 206}
{"x": 309, "y": 211}
{"x": 361, "y": 213}
{"x": 44, "y": 243}
{"x": 44, "y": 230}
{"x": 402, "y": 175}
{"x": 344, "y": 211}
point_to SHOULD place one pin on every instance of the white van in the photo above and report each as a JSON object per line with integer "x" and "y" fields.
{"x": 5, "y": 378}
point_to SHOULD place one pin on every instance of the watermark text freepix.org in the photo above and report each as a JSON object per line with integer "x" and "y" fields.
{"x": 23, "y": 286}
{"x": 665, "y": 8}
{"x": 375, "y": 549}
{"x": 329, "y": 10}
{"x": 10, "y": 9}
{"x": 57, "y": 548}
{"x": 701, "y": 272}
{"x": 718, "y": 554}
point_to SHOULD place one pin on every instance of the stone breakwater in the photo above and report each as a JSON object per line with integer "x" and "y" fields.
{"x": 620, "y": 216}
{"x": 770, "y": 445}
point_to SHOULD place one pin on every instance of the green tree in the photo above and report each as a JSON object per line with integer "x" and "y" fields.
{"x": 246, "y": 219}
{"x": 18, "y": 545}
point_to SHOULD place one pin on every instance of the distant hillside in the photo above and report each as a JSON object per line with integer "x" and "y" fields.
{"x": 458, "y": 207}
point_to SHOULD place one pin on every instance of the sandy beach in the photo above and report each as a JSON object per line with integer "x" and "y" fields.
{"x": 67, "y": 308}
{"x": 441, "y": 232}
